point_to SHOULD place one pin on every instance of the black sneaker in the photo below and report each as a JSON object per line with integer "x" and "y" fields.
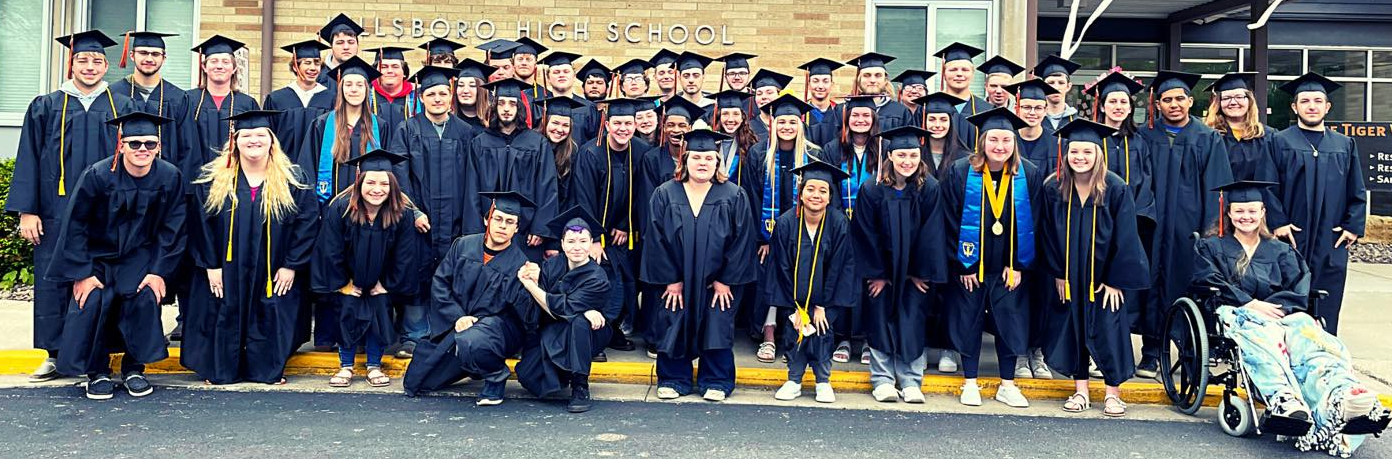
{"x": 100, "y": 388}
{"x": 579, "y": 398}
{"x": 622, "y": 344}
{"x": 137, "y": 385}
{"x": 600, "y": 357}
{"x": 652, "y": 351}
{"x": 407, "y": 350}
{"x": 1149, "y": 369}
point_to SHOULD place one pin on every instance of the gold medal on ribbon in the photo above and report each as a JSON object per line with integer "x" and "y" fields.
{"x": 997, "y": 228}
{"x": 995, "y": 196}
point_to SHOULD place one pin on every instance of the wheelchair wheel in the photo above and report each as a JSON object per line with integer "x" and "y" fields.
{"x": 1184, "y": 356}
{"x": 1235, "y": 416}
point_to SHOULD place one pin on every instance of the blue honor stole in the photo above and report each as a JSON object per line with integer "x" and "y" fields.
{"x": 969, "y": 241}
{"x": 327, "y": 174}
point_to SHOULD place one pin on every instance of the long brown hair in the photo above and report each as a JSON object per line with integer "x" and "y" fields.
{"x": 343, "y": 132}
{"x": 872, "y": 144}
{"x": 563, "y": 150}
{"x": 482, "y": 109}
{"x": 885, "y": 176}
{"x": 1251, "y": 125}
{"x": 391, "y": 211}
{"x": 1067, "y": 179}
{"x": 744, "y": 135}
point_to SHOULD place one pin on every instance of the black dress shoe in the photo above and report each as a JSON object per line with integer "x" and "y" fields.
{"x": 600, "y": 357}
{"x": 579, "y": 398}
{"x": 622, "y": 344}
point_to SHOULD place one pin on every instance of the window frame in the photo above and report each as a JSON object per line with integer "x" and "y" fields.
{"x": 16, "y": 119}
{"x": 991, "y": 7}
{"x": 84, "y": 22}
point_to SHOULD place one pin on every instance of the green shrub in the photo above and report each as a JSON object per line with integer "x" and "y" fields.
{"x": 16, "y": 254}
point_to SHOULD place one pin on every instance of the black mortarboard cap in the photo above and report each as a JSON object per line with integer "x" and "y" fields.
{"x": 469, "y": 68}
{"x": 1033, "y": 88}
{"x": 1244, "y": 190}
{"x": 860, "y": 101}
{"x": 147, "y": 39}
{"x": 508, "y": 87}
{"x": 1169, "y": 79}
{"x": 939, "y": 102}
{"x": 903, "y": 137}
{"x": 663, "y": 57}
{"x": 821, "y": 66}
{"x": 1234, "y": 80}
{"x": 499, "y": 49}
{"x": 377, "y": 160}
{"x": 526, "y": 45}
{"x": 958, "y": 52}
{"x": 1082, "y": 130}
{"x": 561, "y": 105}
{"x": 508, "y": 202}
{"x": 252, "y": 119}
{"x": 633, "y": 67}
{"x": 816, "y": 169}
{"x": 650, "y": 106}
{"x": 731, "y": 98}
{"x": 679, "y": 106}
{"x": 703, "y": 140}
{"x": 432, "y": 76}
{"x": 559, "y": 58}
{"x": 138, "y": 123}
{"x": 998, "y": 118}
{"x": 689, "y": 60}
{"x": 911, "y": 76}
{"x": 308, "y": 49}
{"x": 575, "y": 219}
{"x": 766, "y": 77}
{"x": 1310, "y": 82}
{"x": 736, "y": 60}
{"x": 594, "y": 68}
{"x": 389, "y": 52}
{"x": 218, "y": 44}
{"x": 339, "y": 24}
{"x": 440, "y": 46}
{"x": 787, "y": 104}
{"x": 1052, "y": 64}
{"x": 870, "y": 60}
{"x": 1116, "y": 81}
{"x": 624, "y": 107}
{"x": 999, "y": 64}
{"x": 355, "y": 66}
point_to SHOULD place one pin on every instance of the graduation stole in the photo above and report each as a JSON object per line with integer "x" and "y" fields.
{"x": 851, "y": 187}
{"x": 802, "y": 309}
{"x": 327, "y": 174}
{"x": 969, "y": 241}
{"x": 770, "y": 207}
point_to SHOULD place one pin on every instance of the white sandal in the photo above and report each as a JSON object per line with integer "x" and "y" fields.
{"x": 1077, "y": 403}
{"x": 1113, "y": 407}
{"x": 343, "y": 378}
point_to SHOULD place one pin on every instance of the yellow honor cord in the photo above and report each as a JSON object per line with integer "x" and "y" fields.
{"x": 231, "y": 223}
{"x": 270, "y": 286}
{"x": 1010, "y": 276}
{"x": 62, "y": 144}
{"x": 1068, "y": 249}
{"x": 1092, "y": 259}
{"x": 1126, "y": 157}
{"x": 996, "y": 192}
{"x": 797, "y": 260}
{"x": 633, "y": 234}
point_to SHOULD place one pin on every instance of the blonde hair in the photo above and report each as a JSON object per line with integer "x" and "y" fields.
{"x": 801, "y": 149}
{"x": 282, "y": 174}
{"x": 1251, "y": 125}
{"x": 1067, "y": 179}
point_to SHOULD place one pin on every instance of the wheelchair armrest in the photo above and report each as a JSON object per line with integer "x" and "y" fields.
{"x": 1200, "y": 292}
{"x": 1320, "y": 294}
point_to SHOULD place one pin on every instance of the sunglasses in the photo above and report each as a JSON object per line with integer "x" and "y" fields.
{"x": 147, "y": 144}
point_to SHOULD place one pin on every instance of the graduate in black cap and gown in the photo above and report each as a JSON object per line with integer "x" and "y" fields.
{"x": 1000, "y": 73}
{"x": 1096, "y": 261}
{"x": 151, "y": 92}
{"x": 767, "y": 86}
{"x": 304, "y": 99}
{"x": 1187, "y": 160}
{"x": 1037, "y": 141}
{"x": 325, "y": 150}
{"x": 699, "y": 247}
{"x": 814, "y": 279}
{"x": 341, "y": 34}
{"x": 818, "y": 81}
{"x": 206, "y": 123}
{"x": 391, "y": 93}
{"x": 913, "y": 84}
{"x": 1127, "y": 154}
{"x": 1233, "y": 112}
{"x": 476, "y": 320}
{"x": 955, "y": 78}
{"x": 563, "y": 81}
{"x": 872, "y": 80}
{"x": 659, "y": 163}
{"x": 1323, "y": 200}
{"x": 596, "y": 82}
{"x": 122, "y": 237}
{"x": 559, "y": 127}
{"x": 365, "y": 254}
{"x": 898, "y": 220}
{"x": 991, "y": 212}
{"x": 509, "y": 155}
{"x": 251, "y": 242}
{"x": 571, "y": 313}
{"x": 735, "y": 71}
{"x": 1057, "y": 71}
{"x": 471, "y": 97}
{"x": 942, "y": 146}
{"x": 63, "y": 131}
{"x": 440, "y": 52}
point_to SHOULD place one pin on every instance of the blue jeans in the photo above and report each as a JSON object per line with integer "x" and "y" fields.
{"x": 372, "y": 346}
{"x": 412, "y": 325}
{"x": 907, "y": 370}
{"x": 717, "y": 371}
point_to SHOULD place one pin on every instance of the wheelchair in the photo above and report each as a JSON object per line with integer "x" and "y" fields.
{"x": 1196, "y": 353}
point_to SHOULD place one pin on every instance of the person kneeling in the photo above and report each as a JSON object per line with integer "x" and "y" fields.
{"x": 1304, "y": 374}
{"x": 571, "y": 293}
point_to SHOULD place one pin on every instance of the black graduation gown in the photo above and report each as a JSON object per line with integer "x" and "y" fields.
{"x": 832, "y": 281}
{"x": 1252, "y": 159}
{"x": 1043, "y": 151}
{"x": 118, "y": 228}
{"x": 857, "y": 168}
{"x": 532, "y": 96}
{"x": 893, "y": 230}
{"x": 399, "y": 108}
{"x": 965, "y": 130}
{"x": 247, "y": 335}
{"x": 606, "y": 183}
{"x": 206, "y": 129}
{"x": 1185, "y": 169}
{"x": 785, "y": 178}
{"x": 166, "y": 100}
{"x": 655, "y": 167}
{"x": 891, "y": 115}
{"x": 697, "y": 251}
{"x": 1321, "y": 189}
{"x": 1010, "y": 314}
{"x": 293, "y": 123}
{"x": 364, "y": 255}
{"x": 1275, "y": 273}
{"x": 1092, "y": 245}
{"x": 521, "y": 162}
{"x": 1128, "y": 158}
{"x": 464, "y": 285}
{"x": 344, "y": 176}
{"x": 473, "y": 122}
{"x": 819, "y": 125}
{"x": 58, "y": 141}
{"x": 435, "y": 180}
{"x": 565, "y": 345}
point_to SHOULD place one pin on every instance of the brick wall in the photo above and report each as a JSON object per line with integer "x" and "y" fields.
{"x": 784, "y": 33}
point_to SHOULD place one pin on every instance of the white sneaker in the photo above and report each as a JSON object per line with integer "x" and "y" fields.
{"x": 971, "y": 395}
{"x": 1041, "y": 369}
{"x": 912, "y": 395}
{"x": 1022, "y": 368}
{"x": 47, "y": 371}
{"x": 667, "y": 393}
{"x": 948, "y": 362}
{"x": 825, "y": 394}
{"x": 885, "y": 393}
{"x": 1010, "y": 395}
{"x": 714, "y": 395}
{"x": 789, "y": 391}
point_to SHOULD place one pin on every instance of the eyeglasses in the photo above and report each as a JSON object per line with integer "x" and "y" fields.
{"x": 1233, "y": 98}
{"x": 147, "y": 144}
{"x": 737, "y": 73}
{"x": 632, "y": 78}
{"x": 1033, "y": 109}
{"x": 149, "y": 53}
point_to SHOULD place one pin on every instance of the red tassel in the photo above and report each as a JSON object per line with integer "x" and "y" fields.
{"x": 923, "y": 123}
{"x": 603, "y": 117}
{"x": 1221, "y": 210}
{"x": 125, "y": 52}
{"x": 942, "y": 76}
{"x": 1058, "y": 162}
{"x": 116, "y": 157}
{"x": 1095, "y": 101}
{"x": 614, "y": 90}
{"x": 845, "y": 118}
{"x": 527, "y": 109}
{"x": 70, "y": 56}
{"x": 199, "y": 63}
{"x": 1150, "y": 110}
{"x": 723, "y": 68}
{"x": 806, "y": 84}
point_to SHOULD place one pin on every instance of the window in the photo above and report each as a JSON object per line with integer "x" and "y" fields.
{"x": 115, "y": 17}
{"x": 912, "y": 30}
{"x": 1208, "y": 60}
{"x": 1349, "y": 102}
{"x": 1339, "y": 63}
{"x": 1279, "y": 61}
{"x": 1382, "y": 92}
{"x": 1382, "y": 64}
{"x": 1138, "y": 58}
{"x": 22, "y": 31}
{"x": 1090, "y": 57}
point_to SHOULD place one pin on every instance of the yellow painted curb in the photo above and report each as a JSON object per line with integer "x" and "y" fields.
{"x": 19, "y": 362}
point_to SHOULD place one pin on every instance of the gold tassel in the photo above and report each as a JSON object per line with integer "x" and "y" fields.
{"x": 231, "y": 224}
{"x": 62, "y": 144}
